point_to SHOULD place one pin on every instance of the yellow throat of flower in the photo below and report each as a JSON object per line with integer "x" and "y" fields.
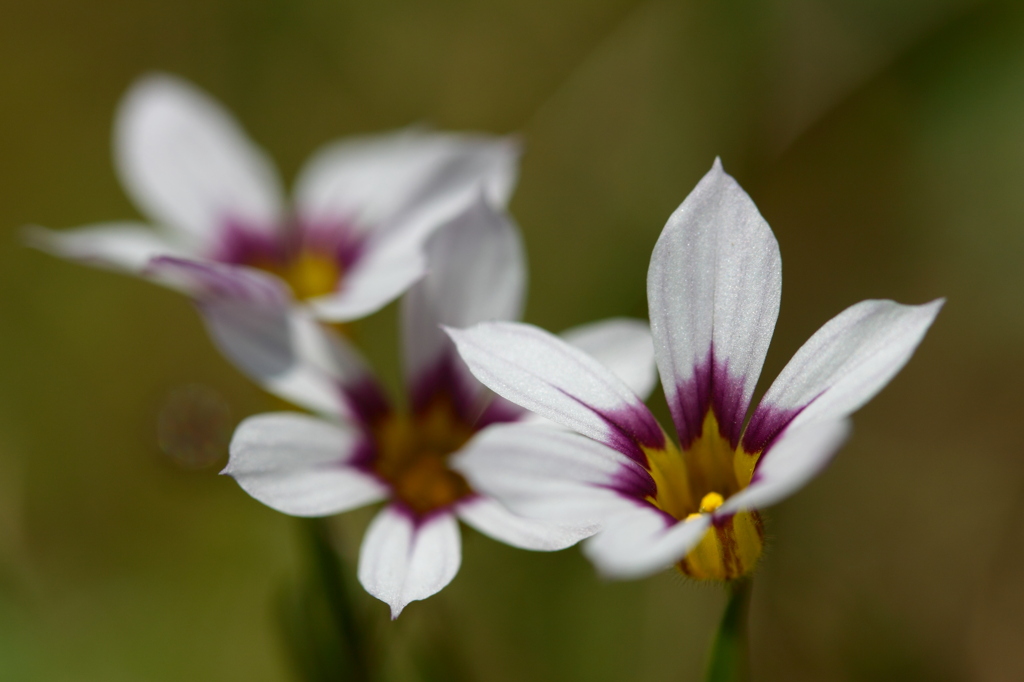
{"x": 312, "y": 274}
{"x": 308, "y": 273}
{"x": 697, "y": 481}
{"x": 412, "y": 456}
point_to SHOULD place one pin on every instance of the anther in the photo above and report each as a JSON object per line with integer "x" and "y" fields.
{"x": 710, "y": 503}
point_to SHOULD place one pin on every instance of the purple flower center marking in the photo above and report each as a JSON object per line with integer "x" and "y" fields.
{"x": 410, "y": 452}
{"x": 312, "y": 258}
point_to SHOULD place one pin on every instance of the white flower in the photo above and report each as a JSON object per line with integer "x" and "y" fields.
{"x": 713, "y": 286}
{"x": 308, "y": 466}
{"x": 350, "y": 243}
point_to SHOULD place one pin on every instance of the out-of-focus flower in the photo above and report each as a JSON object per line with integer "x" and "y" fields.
{"x": 308, "y": 466}
{"x": 353, "y": 239}
{"x": 713, "y": 286}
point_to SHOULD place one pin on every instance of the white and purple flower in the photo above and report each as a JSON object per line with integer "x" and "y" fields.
{"x": 350, "y": 243}
{"x": 714, "y": 287}
{"x": 309, "y": 466}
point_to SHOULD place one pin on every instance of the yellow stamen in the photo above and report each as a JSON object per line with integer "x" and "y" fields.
{"x": 710, "y": 502}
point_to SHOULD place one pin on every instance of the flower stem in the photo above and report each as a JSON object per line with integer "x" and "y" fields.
{"x": 326, "y": 635}
{"x": 727, "y": 660}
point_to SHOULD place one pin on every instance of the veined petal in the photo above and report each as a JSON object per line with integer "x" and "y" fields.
{"x": 476, "y": 273}
{"x": 402, "y": 560}
{"x": 552, "y": 475}
{"x": 713, "y": 289}
{"x": 492, "y": 519}
{"x": 379, "y": 181}
{"x": 188, "y": 165}
{"x": 540, "y": 372}
{"x": 124, "y": 247}
{"x": 253, "y": 321}
{"x": 841, "y": 367}
{"x": 793, "y": 460}
{"x": 624, "y": 346}
{"x": 299, "y": 465}
{"x": 643, "y": 541}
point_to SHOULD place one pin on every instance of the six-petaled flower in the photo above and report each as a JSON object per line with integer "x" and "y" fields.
{"x": 714, "y": 288}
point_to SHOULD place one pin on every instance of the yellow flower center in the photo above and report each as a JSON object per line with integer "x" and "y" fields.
{"x": 309, "y": 273}
{"x": 412, "y": 456}
{"x": 697, "y": 481}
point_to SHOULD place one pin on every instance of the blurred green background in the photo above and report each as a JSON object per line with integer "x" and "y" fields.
{"x": 884, "y": 143}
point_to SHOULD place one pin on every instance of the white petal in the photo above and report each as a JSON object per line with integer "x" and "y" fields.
{"x": 492, "y": 519}
{"x": 379, "y": 181}
{"x": 208, "y": 280}
{"x": 299, "y": 464}
{"x": 550, "y": 474}
{"x": 643, "y": 541}
{"x": 714, "y": 283}
{"x": 380, "y": 276}
{"x": 476, "y": 273}
{"x": 624, "y": 346}
{"x": 400, "y": 187}
{"x": 263, "y": 342}
{"x": 841, "y": 367}
{"x": 254, "y": 322}
{"x": 187, "y": 163}
{"x": 124, "y": 247}
{"x": 402, "y": 561}
{"x": 793, "y": 460}
{"x": 540, "y": 372}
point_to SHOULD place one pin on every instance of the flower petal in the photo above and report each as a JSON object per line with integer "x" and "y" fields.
{"x": 841, "y": 367}
{"x": 793, "y": 460}
{"x": 492, "y": 519}
{"x": 378, "y": 181}
{"x": 206, "y": 280}
{"x": 476, "y": 273}
{"x": 299, "y": 465}
{"x": 402, "y": 560}
{"x": 643, "y": 541}
{"x": 124, "y": 247}
{"x": 713, "y": 289}
{"x": 380, "y": 276}
{"x": 187, "y": 164}
{"x": 252, "y": 320}
{"x": 540, "y": 372}
{"x": 624, "y": 346}
{"x": 551, "y": 474}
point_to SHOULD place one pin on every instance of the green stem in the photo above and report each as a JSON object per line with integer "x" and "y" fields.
{"x": 727, "y": 660}
{"x": 325, "y": 633}
{"x": 334, "y": 581}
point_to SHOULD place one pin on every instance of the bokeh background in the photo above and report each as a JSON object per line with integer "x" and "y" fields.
{"x": 884, "y": 143}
